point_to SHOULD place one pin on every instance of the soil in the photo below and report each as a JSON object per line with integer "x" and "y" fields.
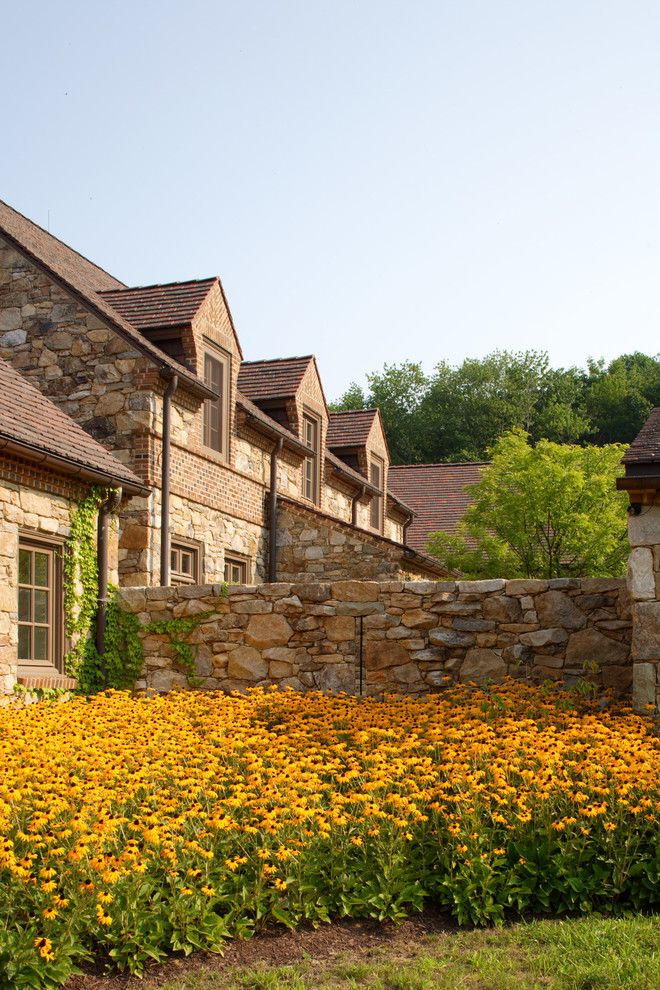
{"x": 278, "y": 947}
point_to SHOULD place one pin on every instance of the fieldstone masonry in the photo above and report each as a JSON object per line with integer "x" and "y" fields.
{"x": 644, "y": 586}
{"x": 410, "y": 637}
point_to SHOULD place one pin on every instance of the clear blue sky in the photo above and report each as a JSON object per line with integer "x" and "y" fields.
{"x": 373, "y": 180}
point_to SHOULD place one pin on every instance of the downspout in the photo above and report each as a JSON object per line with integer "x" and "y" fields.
{"x": 272, "y": 517}
{"x": 405, "y": 529}
{"x": 354, "y": 504}
{"x": 110, "y": 505}
{"x": 165, "y": 482}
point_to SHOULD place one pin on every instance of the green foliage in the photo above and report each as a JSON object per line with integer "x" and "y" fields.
{"x": 457, "y": 412}
{"x": 124, "y": 655}
{"x": 546, "y": 511}
{"x": 81, "y": 588}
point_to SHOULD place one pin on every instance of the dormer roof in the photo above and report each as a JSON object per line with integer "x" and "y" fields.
{"x": 149, "y": 307}
{"x": 350, "y": 428}
{"x": 279, "y": 378}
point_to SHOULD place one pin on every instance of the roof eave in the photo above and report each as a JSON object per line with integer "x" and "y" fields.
{"x": 70, "y": 467}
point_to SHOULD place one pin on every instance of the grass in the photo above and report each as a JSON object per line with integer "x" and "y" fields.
{"x": 591, "y": 953}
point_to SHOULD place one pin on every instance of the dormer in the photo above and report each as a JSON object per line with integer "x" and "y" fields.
{"x": 358, "y": 438}
{"x": 289, "y": 390}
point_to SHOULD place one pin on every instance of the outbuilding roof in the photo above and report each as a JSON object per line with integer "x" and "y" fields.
{"x": 436, "y": 493}
{"x": 645, "y": 448}
{"x": 30, "y": 423}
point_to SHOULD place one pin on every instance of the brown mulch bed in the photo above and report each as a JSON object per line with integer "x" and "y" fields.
{"x": 278, "y": 947}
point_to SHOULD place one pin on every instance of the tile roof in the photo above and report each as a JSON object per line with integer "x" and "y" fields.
{"x": 279, "y": 378}
{"x": 436, "y": 494}
{"x": 85, "y": 280}
{"x": 645, "y": 448}
{"x": 151, "y": 306}
{"x": 350, "y": 428}
{"x": 29, "y": 419}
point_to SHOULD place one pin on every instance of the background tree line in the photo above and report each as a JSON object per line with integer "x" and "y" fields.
{"x": 457, "y": 413}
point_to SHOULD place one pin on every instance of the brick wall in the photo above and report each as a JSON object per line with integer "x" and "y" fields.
{"x": 409, "y": 637}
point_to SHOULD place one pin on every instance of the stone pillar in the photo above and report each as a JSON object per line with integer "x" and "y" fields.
{"x": 644, "y": 586}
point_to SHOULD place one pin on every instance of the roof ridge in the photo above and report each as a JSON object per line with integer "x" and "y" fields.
{"x": 441, "y": 464}
{"x": 344, "y": 412}
{"x": 301, "y": 357}
{"x": 160, "y": 285}
{"x": 63, "y": 243}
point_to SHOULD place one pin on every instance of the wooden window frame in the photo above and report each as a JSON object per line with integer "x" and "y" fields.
{"x": 313, "y": 462}
{"x": 240, "y": 561}
{"x": 376, "y": 509}
{"x": 213, "y": 353}
{"x": 54, "y": 547}
{"x": 196, "y": 550}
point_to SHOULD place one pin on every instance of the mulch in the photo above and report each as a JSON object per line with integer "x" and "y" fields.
{"x": 278, "y": 947}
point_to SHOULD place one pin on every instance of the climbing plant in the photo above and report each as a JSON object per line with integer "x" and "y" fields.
{"x": 81, "y": 588}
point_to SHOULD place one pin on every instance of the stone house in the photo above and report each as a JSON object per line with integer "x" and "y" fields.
{"x": 47, "y": 465}
{"x": 247, "y": 475}
{"x": 642, "y": 482}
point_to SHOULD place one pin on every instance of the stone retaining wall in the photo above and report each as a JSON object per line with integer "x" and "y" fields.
{"x": 409, "y": 637}
{"x": 644, "y": 587}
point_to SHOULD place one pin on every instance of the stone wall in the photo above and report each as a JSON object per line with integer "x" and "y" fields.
{"x": 644, "y": 587}
{"x": 409, "y": 637}
{"x": 315, "y": 547}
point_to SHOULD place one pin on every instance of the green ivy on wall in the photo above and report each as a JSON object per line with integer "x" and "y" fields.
{"x": 81, "y": 589}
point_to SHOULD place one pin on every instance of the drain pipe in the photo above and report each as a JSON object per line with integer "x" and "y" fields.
{"x": 405, "y": 529}
{"x": 272, "y": 518}
{"x": 354, "y": 504}
{"x": 165, "y": 482}
{"x": 110, "y": 505}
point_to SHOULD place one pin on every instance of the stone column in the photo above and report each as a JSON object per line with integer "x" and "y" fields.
{"x": 644, "y": 586}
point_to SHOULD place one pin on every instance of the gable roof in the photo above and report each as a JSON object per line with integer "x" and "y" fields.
{"x": 279, "y": 378}
{"x": 645, "y": 448}
{"x": 86, "y": 281}
{"x": 350, "y": 427}
{"x": 436, "y": 494}
{"x": 40, "y": 430}
{"x": 170, "y": 305}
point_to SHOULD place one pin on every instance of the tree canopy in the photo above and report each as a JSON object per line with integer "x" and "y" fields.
{"x": 542, "y": 511}
{"x": 457, "y": 412}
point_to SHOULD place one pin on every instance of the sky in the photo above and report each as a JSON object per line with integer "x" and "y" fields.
{"x": 374, "y": 181}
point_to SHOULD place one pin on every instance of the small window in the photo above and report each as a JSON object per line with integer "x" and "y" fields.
{"x": 39, "y": 604}
{"x": 310, "y": 485}
{"x": 236, "y": 570}
{"x": 376, "y": 471}
{"x": 216, "y": 418}
{"x": 185, "y": 560}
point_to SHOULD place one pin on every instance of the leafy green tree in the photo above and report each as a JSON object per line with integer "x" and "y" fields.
{"x": 353, "y": 398}
{"x": 544, "y": 511}
{"x": 621, "y": 395}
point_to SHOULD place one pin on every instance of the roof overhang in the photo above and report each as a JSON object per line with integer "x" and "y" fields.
{"x": 70, "y": 467}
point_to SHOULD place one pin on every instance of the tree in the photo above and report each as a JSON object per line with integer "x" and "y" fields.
{"x": 621, "y": 396}
{"x": 544, "y": 511}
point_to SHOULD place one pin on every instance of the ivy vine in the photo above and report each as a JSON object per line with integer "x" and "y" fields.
{"x": 124, "y": 652}
{"x": 81, "y": 589}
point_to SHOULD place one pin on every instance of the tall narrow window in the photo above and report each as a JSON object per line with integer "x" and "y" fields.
{"x": 216, "y": 419}
{"x": 376, "y": 478}
{"x": 310, "y": 465}
{"x": 39, "y": 605}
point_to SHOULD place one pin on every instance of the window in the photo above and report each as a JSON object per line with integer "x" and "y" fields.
{"x": 185, "y": 561}
{"x": 236, "y": 569}
{"x": 39, "y": 604}
{"x": 376, "y": 471}
{"x": 310, "y": 486}
{"x": 216, "y": 411}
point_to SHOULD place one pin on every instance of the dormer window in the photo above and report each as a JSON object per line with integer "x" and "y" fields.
{"x": 376, "y": 475}
{"x": 311, "y": 434}
{"x": 216, "y": 411}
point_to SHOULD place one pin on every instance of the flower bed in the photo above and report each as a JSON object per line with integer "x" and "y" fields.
{"x": 133, "y": 827}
